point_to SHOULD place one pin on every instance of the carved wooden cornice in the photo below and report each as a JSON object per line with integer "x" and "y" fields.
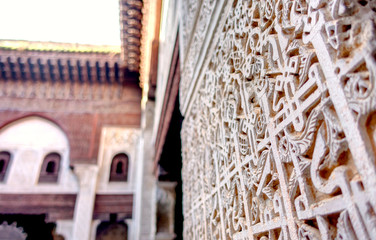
{"x": 61, "y": 67}
{"x": 130, "y": 24}
{"x": 149, "y": 44}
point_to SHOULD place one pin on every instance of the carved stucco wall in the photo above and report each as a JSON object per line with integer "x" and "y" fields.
{"x": 279, "y": 136}
{"x": 117, "y": 140}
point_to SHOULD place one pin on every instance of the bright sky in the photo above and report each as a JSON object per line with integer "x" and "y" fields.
{"x": 72, "y": 21}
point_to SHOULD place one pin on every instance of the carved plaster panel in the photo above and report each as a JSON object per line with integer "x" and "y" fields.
{"x": 279, "y": 142}
{"x": 117, "y": 140}
{"x": 63, "y": 91}
{"x": 123, "y": 137}
{"x": 197, "y": 35}
{"x": 189, "y": 8}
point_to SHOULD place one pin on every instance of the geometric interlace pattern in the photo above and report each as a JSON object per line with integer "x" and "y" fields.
{"x": 280, "y": 139}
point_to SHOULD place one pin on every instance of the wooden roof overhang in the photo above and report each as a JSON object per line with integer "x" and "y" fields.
{"x": 48, "y": 61}
{"x": 63, "y": 67}
{"x": 130, "y": 33}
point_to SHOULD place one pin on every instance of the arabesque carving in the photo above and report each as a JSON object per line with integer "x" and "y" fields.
{"x": 280, "y": 138}
{"x": 126, "y": 137}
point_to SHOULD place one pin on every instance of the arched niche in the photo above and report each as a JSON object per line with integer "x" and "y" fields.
{"x": 119, "y": 168}
{"x": 49, "y": 171}
{"x": 5, "y": 157}
{"x": 33, "y": 131}
{"x": 30, "y": 140}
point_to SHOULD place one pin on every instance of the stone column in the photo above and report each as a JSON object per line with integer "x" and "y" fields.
{"x": 83, "y": 213}
{"x": 129, "y": 223}
{"x": 94, "y": 226}
{"x": 145, "y": 200}
{"x": 64, "y": 228}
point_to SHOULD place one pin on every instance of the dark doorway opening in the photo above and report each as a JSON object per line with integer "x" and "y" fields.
{"x": 112, "y": 229}
{"x": 170, "y": 164}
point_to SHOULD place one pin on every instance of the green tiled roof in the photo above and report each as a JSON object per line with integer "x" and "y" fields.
{"x": 23, "y": 45}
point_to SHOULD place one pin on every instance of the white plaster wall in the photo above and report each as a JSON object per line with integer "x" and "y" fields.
{"x": 29, "y": 140}
{"x": 116, "y": 140}
{"x": 144, "y": 207}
